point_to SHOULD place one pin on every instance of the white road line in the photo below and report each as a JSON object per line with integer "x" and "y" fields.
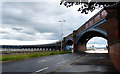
{"x": 42, "y": 69}
{"x": 61, "y": 62}
{"x": 42, "y": 61}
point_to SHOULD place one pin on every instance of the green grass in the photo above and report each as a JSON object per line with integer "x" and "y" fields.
{"x": 88, "y": 49}
{"x": 106, "y": 49}
{"x": 28, "y": 55}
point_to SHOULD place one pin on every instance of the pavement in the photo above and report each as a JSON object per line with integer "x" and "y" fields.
{"x": 97, "y": 51}
{"x": 63, "y": 63}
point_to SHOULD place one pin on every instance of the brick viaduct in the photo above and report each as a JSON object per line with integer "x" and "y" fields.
{"x": 106, "y": 24}
{"x": 52, "y": 46}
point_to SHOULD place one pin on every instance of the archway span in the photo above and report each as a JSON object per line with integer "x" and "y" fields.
{"x": 86, "y": 36}
{"x": 69, "y": 45}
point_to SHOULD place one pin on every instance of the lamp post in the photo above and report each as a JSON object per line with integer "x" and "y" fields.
{"x": 61, "y": 21}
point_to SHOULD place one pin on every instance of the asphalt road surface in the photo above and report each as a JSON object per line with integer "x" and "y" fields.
{"x": 63, "y": 63}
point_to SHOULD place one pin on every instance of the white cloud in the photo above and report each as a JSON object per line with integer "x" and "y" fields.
{"x": 37, "y": 21}
{"x": 30, "y": 1}
{"x": 17, "y": 42}
{"x": 97, "y": 42}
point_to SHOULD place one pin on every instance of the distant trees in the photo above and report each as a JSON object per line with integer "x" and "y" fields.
{"x": 87, "y": 5}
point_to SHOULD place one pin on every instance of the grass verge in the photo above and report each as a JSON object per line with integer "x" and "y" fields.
{"x": 28, "y": 55}
{"x": 89, "y": 49}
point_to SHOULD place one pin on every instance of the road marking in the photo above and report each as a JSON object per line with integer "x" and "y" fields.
{"x": 42, "y": 61}
{"x": 61, "y": 62}
{"x": 62, "y": 67}
{"x": 42, "y": 69}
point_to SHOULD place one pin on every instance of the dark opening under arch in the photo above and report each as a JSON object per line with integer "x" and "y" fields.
{"x": 69, "y": 42}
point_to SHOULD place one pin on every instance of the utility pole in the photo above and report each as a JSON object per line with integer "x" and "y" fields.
{"x": 61, "y": 21}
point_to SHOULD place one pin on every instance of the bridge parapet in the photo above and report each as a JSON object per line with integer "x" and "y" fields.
{"x": 69, "y": 37}
{"x": 96, "y": 18}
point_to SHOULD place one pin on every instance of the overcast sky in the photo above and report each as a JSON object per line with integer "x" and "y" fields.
{"x": 37, "y": 22}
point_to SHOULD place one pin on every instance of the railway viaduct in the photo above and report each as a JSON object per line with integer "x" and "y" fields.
{"x": 106, "y": 24}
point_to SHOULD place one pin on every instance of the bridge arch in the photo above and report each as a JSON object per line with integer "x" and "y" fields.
{"x": 104, "y": 24}
{"x": 68, "y": 45}
{"x": 69, "y": 42}
{"x": 87, "y": 35}
{"x": 92, "y": 33}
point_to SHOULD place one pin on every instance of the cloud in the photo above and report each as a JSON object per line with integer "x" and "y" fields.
{"x": 17, "y": 42}
{"x": 97, "y": 41}
{"x": 18, "y": 29}
{"x": 35, "y": 21}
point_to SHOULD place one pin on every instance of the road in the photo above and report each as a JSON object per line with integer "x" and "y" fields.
{"x": 84, "y": 63}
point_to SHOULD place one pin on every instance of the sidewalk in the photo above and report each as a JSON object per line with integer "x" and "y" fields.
{"x": 90, "y": 64}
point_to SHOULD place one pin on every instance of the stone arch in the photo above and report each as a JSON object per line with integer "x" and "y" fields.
{"x": 92, "y": 32}
{"x": 68, "y": 45}
{"x": 85, "y": 36}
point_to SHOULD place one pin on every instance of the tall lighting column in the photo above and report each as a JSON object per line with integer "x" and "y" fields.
{"x": 61, "y": 21}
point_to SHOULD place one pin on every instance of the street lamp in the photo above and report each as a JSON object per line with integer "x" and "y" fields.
{"x": 61, "y": 21}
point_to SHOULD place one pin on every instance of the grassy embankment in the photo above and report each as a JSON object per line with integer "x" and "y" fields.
{"x": 28, "y": 55}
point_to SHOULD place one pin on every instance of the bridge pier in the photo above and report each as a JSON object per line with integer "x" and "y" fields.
{"x": 113, "y": 36}
{"x": 81, "y": 47}
{"x": 115, "y": 54}
{"x": 78, "y": 47}
{"x": 75, "y": 48}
